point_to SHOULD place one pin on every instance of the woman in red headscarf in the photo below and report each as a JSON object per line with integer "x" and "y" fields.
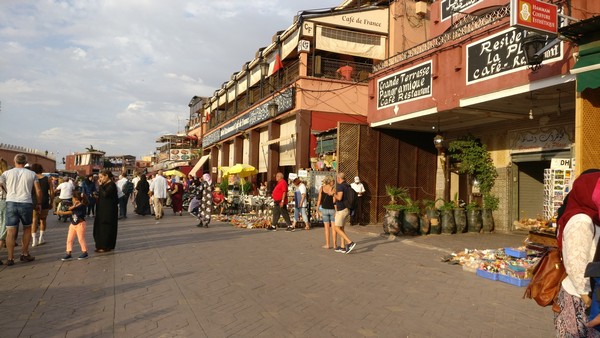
{"x": 577, "y": 238}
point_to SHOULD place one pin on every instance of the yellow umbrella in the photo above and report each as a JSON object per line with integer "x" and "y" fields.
{"x": 173, "y": 172}
{"x": 244, "y": 170}
{"x": 224, "y": 171}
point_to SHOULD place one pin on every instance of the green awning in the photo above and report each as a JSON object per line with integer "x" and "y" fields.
{"x": 587, "y": 68}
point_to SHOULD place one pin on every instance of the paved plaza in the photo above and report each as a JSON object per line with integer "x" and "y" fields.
{"x": 169, "y": 278}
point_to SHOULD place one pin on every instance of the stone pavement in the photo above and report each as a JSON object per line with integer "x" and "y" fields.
{"x": 169, "y": 278}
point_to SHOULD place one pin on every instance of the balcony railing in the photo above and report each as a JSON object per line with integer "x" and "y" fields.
{"x": 317, "y": 67}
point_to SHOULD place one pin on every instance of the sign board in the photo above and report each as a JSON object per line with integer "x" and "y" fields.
{"x": 302, "y": 173}
{"x": 404, "y": 86}
{"x": 501, "y": 54}
{"x": 534, "y": 15}
{"x": 560, "y": 163}
{"x": 451, "y": 7}
{"x": 542, "y": 139}
{"x": 292, "y": 176}
{"x": 303, "y": 46}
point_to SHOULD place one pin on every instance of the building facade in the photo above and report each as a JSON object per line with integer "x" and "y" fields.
{"x": 472, "y": 78}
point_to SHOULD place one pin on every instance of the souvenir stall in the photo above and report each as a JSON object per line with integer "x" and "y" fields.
{"x": 509, "y": 265}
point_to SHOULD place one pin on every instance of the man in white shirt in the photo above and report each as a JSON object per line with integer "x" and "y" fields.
{"x": 158, "y": 190}
{"x": 300, "y": 204}
{"x": 122, "y": 196}
{"x": 360, "y": 191}
{"x": 66, "y": 189}
{"x": 19, "y": 183}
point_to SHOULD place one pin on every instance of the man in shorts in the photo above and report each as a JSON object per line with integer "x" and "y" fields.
{"x": 19, "y": 183}
{"x": 342, "y": 213}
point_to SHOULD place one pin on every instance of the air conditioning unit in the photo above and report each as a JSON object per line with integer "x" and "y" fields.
{"x": 421, "y": 8}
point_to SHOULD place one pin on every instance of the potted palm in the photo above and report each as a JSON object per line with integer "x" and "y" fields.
{"x": 490, "y": 203}
{"x": 431, "y": 218}
{"x": 411, "y": 212}
{"x": 474, "y": 220}
{"x": 391, "y": 221}
{"x": 447, "y": 217}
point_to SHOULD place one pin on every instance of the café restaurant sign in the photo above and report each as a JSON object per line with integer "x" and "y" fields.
{"x": 501, "y": 54}
{"x": 404, "y": 86}
{"x": 534, "y": 15}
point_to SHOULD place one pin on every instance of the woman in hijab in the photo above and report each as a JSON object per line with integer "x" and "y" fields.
{"x": 142, "y": 199}
{"x": 107, "y": 213}
{"x": 177, "y": 196}
{"x": 206, "y": 202}
{"x": 577, "y": 238}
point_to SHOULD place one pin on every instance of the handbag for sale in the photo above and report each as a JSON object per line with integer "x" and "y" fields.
{"x": 546, "y": 279}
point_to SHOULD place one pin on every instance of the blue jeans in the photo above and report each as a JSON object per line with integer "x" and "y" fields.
{"x": 19, "y": 213}
{"x": 328, "y": 215}
{"x": 297, "y": 212}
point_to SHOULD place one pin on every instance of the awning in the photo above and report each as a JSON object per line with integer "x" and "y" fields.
{"x": 199, "y": 165}
{"x": 587, "y": 68}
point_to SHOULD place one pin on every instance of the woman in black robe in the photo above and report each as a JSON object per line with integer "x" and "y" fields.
{"x": 142, "y": 199}
{"x": 107, "y": 213}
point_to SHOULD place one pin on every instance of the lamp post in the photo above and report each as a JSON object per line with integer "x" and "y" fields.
{"x": 439, "y": 143}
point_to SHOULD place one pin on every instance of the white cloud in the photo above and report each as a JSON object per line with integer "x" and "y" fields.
{"x": 117, "y": 74}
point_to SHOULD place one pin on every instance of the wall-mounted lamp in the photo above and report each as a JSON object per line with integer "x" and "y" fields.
{"x": 531, "y": 105}
{"x": 273, "y": 109}
{"x": 264, "y": 68}
{"x": 533, "y": 47}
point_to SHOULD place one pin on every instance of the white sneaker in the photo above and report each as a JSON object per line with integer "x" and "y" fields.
{"x": 41, "y": 241}
{"x": 33, "y": 241}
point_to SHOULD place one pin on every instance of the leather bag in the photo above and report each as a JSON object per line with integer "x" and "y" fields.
{"x": 546, "y": 279}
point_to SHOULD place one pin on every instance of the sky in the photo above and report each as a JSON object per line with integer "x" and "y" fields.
{"x": 117, "y": 74}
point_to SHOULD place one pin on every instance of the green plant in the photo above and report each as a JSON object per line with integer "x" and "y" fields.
{"x": 395, "y": 193}
{"x": 491, "y": 201}
{"x": 223, "y": 186}
{"x": 446, "y": 205}
{"x": 410, "y": 205}
{"x": 247, "y": 187}
{"x": 473, "y": 206}
{"x": 394, "y": 207}
{"x": 428, "y": 204}
{"x": 474, "y": 160}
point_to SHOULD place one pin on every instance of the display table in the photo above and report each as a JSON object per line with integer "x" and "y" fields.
{"x": 542, "y": 238}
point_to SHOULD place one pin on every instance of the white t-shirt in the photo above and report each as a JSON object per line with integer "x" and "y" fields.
{"x": 120, "y": 185}
{"x": 19, "y": 184}
{"x": 135, "y": 181}
{"x": 66, "y": 190}
{"x": 301, "y": 190}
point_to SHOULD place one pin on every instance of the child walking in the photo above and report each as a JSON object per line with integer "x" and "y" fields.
{"x": 77, "y": 226}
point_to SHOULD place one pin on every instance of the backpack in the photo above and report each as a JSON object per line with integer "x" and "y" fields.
{"x": 128, "y": 187}
{"x": 351, "y": 198}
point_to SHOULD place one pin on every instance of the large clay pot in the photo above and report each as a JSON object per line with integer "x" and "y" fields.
{"x": 487, "y": 220}
{"x": 410, "y": 223}
{"x": 474, "y": 220}
{"x": 391, "y": 222}
{"x": 460, "y": 217}
{"x": 433, "y": 217}
{"x": 448, "y": 224}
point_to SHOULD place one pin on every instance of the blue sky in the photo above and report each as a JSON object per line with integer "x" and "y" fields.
{"x": 117, "y": 74}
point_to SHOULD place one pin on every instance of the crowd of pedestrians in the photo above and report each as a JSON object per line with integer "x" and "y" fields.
{"x": 27, "y": 196}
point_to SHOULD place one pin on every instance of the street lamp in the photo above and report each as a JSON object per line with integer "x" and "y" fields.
{"x": 438, "y": 142}
{"x": 532, "y": 46}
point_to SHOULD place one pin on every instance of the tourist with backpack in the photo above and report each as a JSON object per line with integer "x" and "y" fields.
{"x": 577, "y": 238}
{"x": 344, "y": 199}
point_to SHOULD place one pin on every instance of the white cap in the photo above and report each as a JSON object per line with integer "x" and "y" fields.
{"x": 356, "y": 179}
